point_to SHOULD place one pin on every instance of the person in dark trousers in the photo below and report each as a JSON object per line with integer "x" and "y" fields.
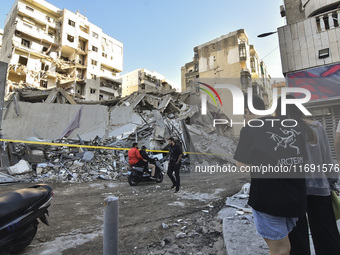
{"x": 174, "y": 163}
{"x": 135, "y": 159}
{"x": 144, "y": 154}
{"x": 319, "y": 184}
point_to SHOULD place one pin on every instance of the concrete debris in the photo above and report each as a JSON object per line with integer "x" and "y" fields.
{"x": 149, "y": 118}
{"x": 21, "y": 167}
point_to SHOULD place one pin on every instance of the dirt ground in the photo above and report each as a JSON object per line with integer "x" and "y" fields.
{"x": 152, "y": 218}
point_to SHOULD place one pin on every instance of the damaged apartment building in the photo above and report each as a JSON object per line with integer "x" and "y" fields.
{"x": 144, "y": 80}
{"x": 47, "y": 47}
{"x": 230, "y": 57}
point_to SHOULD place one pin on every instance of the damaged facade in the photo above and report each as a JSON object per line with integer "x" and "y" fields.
{"x": 47, "y": 47}
{"x": 144, "y": 80}
{"x": 233, "y": 58}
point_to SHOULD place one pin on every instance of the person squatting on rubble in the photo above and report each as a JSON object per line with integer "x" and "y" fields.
{"x": 175, "y": 153}
{"x": 319, "y": 184}
{"x": 276, "y": 201}
{"x": 144, "y": 155}
{"x": 135, "y": 159}
{"x": 337, "y": 143}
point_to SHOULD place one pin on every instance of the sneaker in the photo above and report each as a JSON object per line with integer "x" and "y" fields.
{"x": 177, "y": 189}
{"x": 173, "y": 186}
{"x": 152, "y": 177}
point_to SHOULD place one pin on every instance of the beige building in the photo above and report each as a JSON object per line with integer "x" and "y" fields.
{"x": 232, "y": 58}
{"x": 144, "y": 80}
{"x": 1, "y": 35}
{"x": 310, "y": 55}
{"x": 49, "y": 47}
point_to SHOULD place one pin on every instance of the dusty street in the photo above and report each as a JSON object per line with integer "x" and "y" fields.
{"x": 76, "y": 216}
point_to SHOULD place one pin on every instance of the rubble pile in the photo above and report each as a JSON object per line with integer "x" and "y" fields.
{"x": 149, "y": 118}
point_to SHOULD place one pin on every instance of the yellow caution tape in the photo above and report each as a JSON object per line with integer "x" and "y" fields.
{"x": 97, "y": 147}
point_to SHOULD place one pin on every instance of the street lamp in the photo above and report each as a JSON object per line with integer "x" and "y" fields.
{"x": 266, "y": 34}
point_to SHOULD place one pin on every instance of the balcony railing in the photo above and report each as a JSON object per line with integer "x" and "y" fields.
{"x": 329, "y": 20}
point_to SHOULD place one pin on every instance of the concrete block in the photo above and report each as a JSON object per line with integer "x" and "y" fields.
{"x": 21, "y": 167}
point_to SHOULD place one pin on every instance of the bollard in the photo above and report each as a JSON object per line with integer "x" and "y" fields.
{"x": 110, "y": 226}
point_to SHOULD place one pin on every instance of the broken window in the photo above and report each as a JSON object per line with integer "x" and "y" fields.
{"x": 29, "y": 8}
{"x": 95, "y": 35}
{"x": 94, "y": 62}
{"x": 92, "y": 91}
{"x": 44, "y": 67}
{"x": 71, "y": 23}
{"x": 46, "y": 51}
{"x": 64, "y": 58}
{"x": 23, "y": 60}
{"x": 94, "y": 48}
{"x": 43, "y": 84}
{"x": 25, "y": 43}
{"x": 70, "y": 38}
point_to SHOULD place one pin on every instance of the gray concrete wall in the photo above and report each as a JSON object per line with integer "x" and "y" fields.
{"x": 49, "y": 121}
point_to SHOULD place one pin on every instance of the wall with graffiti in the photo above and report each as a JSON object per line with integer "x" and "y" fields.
{"x": 322, "y": 82}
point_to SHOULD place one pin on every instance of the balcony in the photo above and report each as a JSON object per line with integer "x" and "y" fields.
{"x": 327, "y": 21}
{"x": 301, "y": 42}
{"x": 38, "y": 16}
{"x": 35, "y": 32}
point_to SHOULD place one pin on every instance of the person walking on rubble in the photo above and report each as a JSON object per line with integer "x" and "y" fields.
{"x": 175, "y": 153}
{"x": 135, "y": 159}
{"x": 146, "y": 156}
{"x": 276, "y": 200}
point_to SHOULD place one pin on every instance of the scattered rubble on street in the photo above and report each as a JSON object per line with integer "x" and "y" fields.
{"x": 149, "y": 118}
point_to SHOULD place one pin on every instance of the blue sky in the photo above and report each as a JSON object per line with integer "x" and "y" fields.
{"x": 160, "y": 35}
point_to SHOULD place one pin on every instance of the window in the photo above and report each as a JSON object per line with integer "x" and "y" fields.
{"x": 94, "y": 48}
{"x": 242, "y": 51}
{"x": 111, "y": 58}
{"x": 104, "y": 55}
{"x": 23, "y": 61}
{"x": 26, "y": 43}
{"x": 43, "y": 84}
{"x": 44, "y": 67}
{"x": 50, "y": 34}
{"x": 29, "y": 8}
{"x": 93, "y": 76}
{"x": 95, "y": 35}
{"x": 93, "y": 62}
{"x": 70, "y": 38}
{"x": 252, "y": 65}
{"x": 71, "y": 23}
{"x": 92, "y": 91}
{"x": 48, "y": 18}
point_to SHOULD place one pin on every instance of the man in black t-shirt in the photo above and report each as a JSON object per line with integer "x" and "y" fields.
{"x": 271, "y": 149}
{"x": 174, "y": 163}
